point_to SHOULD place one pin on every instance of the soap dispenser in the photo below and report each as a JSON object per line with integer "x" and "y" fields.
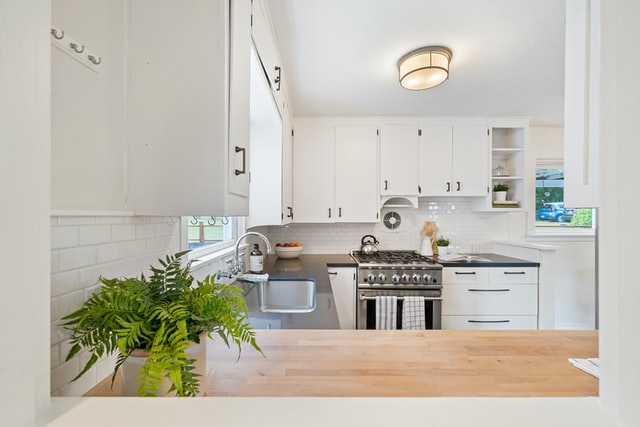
{"x": 256, "y": 260}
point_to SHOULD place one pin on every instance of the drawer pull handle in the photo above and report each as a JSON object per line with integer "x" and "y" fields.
{"x": 488, "y": 290}
{"x": 465, "y": 272}
{"x": 515, "y": 272}
{"x": 488, "y": 321}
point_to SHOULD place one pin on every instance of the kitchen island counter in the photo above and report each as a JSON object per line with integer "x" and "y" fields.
{"x": 366, "y": 363}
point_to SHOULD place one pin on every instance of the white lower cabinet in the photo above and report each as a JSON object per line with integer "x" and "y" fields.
{"x": 490, "y": 298}
{"x": 343, "y": 286}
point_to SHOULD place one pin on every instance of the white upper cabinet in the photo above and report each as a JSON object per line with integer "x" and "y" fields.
{"x": 356, "y": 186}
{"x": 335, "y": 173}
{"x": 188, "y": 107}
{"x": 399, "y": 148}
{"x": 313, "y": 173}
{"x": 454, "y": 161}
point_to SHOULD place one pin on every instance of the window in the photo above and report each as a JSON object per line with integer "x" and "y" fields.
{"x": 550, "y": 211}
{"x": 207, "y": 234}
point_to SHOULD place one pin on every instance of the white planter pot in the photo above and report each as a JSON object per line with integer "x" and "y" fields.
{"x": 442, "y": 250}
{"x": 137, "y": 359}
{"x": 500, "y": 196}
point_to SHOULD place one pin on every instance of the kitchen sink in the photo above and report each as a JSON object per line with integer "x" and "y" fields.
{"x": 286, "y": 295}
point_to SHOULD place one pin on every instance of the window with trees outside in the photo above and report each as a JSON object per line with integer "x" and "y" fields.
{"x": 207, "y": 234}
{"x": 550, "y": 210}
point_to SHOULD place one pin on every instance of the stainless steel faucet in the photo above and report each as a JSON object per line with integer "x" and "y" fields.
{"x": 249, "y": 233}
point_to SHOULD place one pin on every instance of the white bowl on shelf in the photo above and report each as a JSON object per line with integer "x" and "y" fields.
{"x": 288, "y": 252}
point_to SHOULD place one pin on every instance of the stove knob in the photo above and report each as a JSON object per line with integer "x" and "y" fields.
{"x": 416, "y": 278}
{"x": 405, "y": 278}
{"x": 371, "y": 278}
{"x": 395, "y": 278}
{"x": 426, "y": 278}
{"x": 382, "y": 278}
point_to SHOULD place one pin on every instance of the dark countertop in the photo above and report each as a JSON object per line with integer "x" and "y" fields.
{"x": 305, "y": 267}
{"x": 495, "y": 260}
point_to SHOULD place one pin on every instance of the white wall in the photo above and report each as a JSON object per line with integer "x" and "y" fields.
{"x": 24, "y": 216}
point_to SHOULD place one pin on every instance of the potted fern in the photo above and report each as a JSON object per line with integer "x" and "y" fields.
{"x": 162, "y": 316}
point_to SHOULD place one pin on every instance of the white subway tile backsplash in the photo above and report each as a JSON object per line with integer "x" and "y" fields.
{"x": 78, "y": 257}
{"x": 64, "y": 282}
{"x": 145, "y": 231}
{"x": 64, "y": 237}
{"x": 123, "y": 232}
{"x": 109, "y": 252}
{"x": 95, "y": 235}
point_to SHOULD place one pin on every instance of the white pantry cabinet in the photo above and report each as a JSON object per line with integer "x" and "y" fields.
{"x": 454, "y": 161}
{"x": 335, "y": 171}
{"x": 490, "y": 298}
{"x": 343, "y": 286}
{"x": 399, "y": 148}
{"x": 188, "y": 107}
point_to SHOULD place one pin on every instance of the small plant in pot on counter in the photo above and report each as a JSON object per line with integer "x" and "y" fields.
{"x": 442, "y": 241}
{"x": 162, "y": 315}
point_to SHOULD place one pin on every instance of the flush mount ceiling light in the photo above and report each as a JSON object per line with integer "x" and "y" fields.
{"x": 424, "y": 68}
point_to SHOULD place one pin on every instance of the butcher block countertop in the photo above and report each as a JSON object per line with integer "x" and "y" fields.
{"x": 367, "y": 363}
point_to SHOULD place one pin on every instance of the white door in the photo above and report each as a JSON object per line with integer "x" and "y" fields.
{"x": 356, "y": 185}
{"x": 470, "y": 171}
{"x": 343, "y": 286}
{"x": 313, "y": 173}
{"x": 436, "y": 151}
{"x": 399, "y": 148}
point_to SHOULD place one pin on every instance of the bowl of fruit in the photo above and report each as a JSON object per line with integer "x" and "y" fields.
{"x": 288, "y": 250}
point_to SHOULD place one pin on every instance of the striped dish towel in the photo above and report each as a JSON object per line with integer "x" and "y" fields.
{"x": 386, "y": 312}
{"x": 413, "y": 313}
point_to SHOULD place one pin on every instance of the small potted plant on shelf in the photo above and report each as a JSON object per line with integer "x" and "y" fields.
{"x": 500, "y": 192}
{"x": 162, "y": 317}
{"x": 443, "y": 244}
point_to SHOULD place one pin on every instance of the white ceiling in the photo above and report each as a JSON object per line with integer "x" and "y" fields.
{"x": 340, "y": 56}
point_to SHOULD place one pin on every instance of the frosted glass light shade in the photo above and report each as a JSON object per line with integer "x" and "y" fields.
{"x": 424, "y": 68}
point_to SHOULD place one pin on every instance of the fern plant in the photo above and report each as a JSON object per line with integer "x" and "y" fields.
{"x": 163, "y": 315}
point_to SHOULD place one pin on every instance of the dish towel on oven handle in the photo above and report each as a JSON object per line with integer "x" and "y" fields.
{"x": 413, "y": 313}
{"x": 386, "y": 309}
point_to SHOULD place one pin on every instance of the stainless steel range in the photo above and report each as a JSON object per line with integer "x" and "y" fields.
{"x": 400, "y": 274}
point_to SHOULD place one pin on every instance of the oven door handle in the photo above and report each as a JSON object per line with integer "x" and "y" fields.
{"x": 364, "y": 298}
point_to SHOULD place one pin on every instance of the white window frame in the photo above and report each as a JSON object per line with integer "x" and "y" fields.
{"x": 209, "y": 253}
{"x": 533, "y": 230}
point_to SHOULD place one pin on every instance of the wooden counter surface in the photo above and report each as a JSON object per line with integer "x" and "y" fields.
{"x": 401, "y": 364}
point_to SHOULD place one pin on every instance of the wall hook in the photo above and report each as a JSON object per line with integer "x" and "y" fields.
{"x": 54, "y": 33}
{"x": 94, "y": 60}
{"x": 76, "y": 47}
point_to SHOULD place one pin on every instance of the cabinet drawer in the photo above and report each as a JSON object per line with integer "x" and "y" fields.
{"x": 489, "y": 299}
{"x": 465, "y": 275}
{"x": 489, "y": 322}
{"x": 513, "y": 275}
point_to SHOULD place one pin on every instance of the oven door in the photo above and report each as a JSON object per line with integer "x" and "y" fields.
{"x": 366, "y": 306}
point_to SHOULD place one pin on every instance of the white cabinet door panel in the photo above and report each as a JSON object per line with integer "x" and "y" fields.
{"x": 470, "y": 165}
{"x": 490, "y": 322}
{"x": 513, "y": 275}
{"x": 313, "y": 173}
{"x": 478, "y": 300}
{"x": 436, "y": 157}
{"x": 465, "y": 275}
{"x": 399, "y": 149}
{"x": 356, "y": 191}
